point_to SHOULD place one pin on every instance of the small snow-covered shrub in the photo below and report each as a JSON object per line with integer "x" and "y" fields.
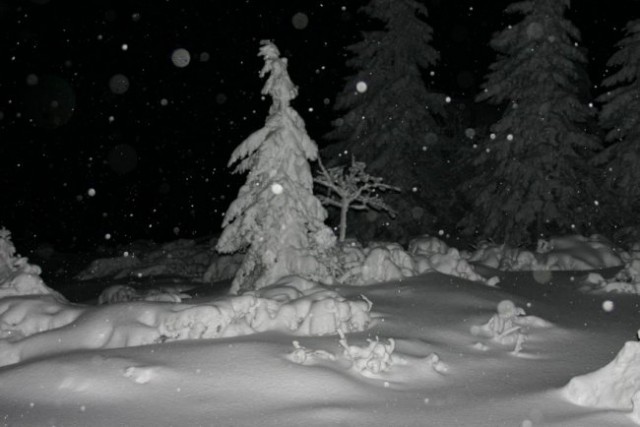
{"x": 427, "y": 245}
{"x": 451, "y": 263}
{"x": 614, "y": 386}
{"x": 373, "y": 359}
{"x": 508, "y": 326}
{"x": 17, "y": 276}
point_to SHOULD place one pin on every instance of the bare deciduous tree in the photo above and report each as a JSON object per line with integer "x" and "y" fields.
{"x": 350, "y": 187}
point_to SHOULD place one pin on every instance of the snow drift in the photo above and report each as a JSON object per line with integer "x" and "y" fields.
{"x": 31, "y": 326}
{"x": 614, "y": 386}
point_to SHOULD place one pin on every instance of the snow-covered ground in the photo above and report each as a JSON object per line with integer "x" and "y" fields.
{"x": 440, "y": 351}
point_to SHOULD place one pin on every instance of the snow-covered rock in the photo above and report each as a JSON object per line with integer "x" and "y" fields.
{"x": 614, "y": 386}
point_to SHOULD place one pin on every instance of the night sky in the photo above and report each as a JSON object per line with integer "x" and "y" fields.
{"x": 105, "y": 140}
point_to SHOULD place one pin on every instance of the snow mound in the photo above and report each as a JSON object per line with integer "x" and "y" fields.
{"x": 573, "y": 252}
{"x": 614, "y": 386}
{"x": 32, "y": 326}
{"x": 382, "y": 262}
{"x": 182, "y": 258}
{"x": 17, "y": 276}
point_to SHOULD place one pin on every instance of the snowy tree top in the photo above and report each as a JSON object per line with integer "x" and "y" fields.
{"x": 279, "y": 85}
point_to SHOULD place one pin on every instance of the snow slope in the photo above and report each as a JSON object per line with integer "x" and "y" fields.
{"x": 436, "y": 373}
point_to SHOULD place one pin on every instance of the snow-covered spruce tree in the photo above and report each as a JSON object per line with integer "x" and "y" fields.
{"x": 276, "y": 217}
{"x": 352, "y": 188}
{"x": 390, "y": 117}
{"x": 532, "y": 175}
{"x": 620, "y": 117}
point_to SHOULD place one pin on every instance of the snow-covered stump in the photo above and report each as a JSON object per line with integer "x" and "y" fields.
{"x": 614, "y": 386}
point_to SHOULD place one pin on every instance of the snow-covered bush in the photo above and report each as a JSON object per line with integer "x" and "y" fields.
{"x": 509, "y": 326}
{"x": 572, "y": 252}
{"x": 17, "y": 276}
{"x": 626, "y": 281}
{"x": 31, "y": 326}
{"x": 577, "y": 252}
{"x": 121, "y": 293}
{"x": 383, "y": 262}
{"x": 614, "y": 386}
{"x": 181, "y": 258}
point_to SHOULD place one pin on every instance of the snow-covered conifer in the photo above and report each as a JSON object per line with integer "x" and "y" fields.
{"x": 352, "y": 188}
{"x": 276, "y": 217}
{"x": 532, "y": 175}
{"x": 390, "y": 116}
{"x": 620, "y": 117}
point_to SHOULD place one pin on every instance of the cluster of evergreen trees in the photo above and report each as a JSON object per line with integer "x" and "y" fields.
{"x": 553, "y": 163}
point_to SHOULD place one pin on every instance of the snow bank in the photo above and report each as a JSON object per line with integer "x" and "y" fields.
{"x": 31, "y": 326}
{"x": 614, "y": 386}
{"x": 182, "y": 258}
{"x": 559, "y": 253}
{"x": 382, "y": 262}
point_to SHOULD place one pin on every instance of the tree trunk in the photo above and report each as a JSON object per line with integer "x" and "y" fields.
{"x": 343, "y": 219}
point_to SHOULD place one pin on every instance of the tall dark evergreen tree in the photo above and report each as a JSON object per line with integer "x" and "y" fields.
{"x": 620, "y": 117}
{"x": 390, "y": 117}
{"x": 532, "y": 175}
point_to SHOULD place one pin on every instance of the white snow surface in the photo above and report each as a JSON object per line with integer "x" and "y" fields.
{"x": 436, "y": 372}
